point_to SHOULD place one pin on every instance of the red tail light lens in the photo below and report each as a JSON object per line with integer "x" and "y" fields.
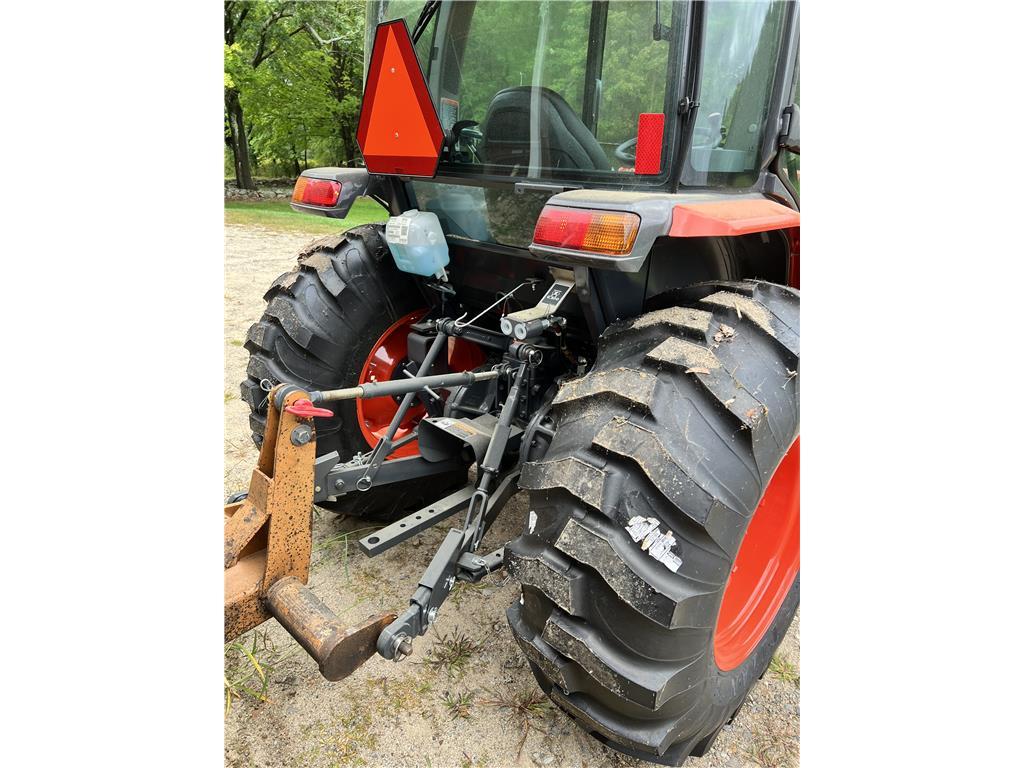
{"x": 320, "y": 192}
{"x": 608, "y": 232}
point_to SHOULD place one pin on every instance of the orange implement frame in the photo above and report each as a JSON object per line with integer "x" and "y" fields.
{"x": 268, "y": 535}
{"x": 267, "y": 544}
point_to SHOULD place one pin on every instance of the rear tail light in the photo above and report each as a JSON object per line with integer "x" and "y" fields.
{"x": 608, "y": 232}
{"x": 320, "y": 192}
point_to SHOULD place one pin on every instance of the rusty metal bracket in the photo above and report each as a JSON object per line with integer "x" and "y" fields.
{"x": 339, "y": 650}
{"x": 267, "y": 545}
{"x": 268, "y": 535}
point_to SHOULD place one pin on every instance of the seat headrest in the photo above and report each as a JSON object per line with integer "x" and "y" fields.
{"x": 565, "y": 141}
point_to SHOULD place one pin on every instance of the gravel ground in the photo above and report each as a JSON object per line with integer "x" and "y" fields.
{"x": 466, "y": 697}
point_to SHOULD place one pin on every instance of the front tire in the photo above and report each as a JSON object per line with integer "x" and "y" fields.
{"x": 640, "y": 510}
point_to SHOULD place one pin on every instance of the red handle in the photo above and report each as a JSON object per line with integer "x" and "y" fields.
{"x": 306, "y": 410}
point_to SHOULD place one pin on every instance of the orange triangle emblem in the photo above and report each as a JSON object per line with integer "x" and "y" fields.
{"x": 399, "y": 133}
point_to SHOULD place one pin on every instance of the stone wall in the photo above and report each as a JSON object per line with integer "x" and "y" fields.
{"x": 266, "y": 189}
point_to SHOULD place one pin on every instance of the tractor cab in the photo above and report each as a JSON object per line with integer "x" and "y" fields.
{"x": 539, "y": 97}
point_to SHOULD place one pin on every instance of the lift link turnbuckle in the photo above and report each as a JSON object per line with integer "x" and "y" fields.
{"x": 395, "y": 641}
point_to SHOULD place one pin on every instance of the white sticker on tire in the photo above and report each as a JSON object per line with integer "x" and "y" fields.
{"x": 655, "y": 543}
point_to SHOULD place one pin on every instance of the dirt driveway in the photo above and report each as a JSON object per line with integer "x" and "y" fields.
{"x": 466, "y": 697}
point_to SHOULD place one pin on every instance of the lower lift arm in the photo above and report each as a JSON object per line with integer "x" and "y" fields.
{"x": 395, "y": 641}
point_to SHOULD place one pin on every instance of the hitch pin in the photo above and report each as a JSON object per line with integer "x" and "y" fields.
{"x": 428, "y": 390}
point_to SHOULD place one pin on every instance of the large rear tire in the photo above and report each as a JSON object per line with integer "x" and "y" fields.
{"x": 660, "y": 493}
{"x": 323, "y": 319}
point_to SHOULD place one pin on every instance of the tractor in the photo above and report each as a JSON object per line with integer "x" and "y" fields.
{"x": 587, "y": 289}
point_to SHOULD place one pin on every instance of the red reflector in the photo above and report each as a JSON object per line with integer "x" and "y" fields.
{"x": 608, "y": 232}
{"x": 399, "y": 133}
{"x": 321, "y": 192}
{"x": 650, "y": 131}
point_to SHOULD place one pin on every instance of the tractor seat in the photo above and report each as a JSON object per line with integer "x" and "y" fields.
{"x": 565, "y": 141}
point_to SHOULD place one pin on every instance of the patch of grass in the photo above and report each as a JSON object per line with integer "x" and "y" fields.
{"x": 340, "y": 543}
{"x": 458, "y": 704}
{"x": 784, "y": 670}
{"x": 343, "y": 739}
{"x": 247, "y": 668}
{"x": 236, "y": 342}
{"x": 464, "y": 589}
{"x": 775, "y": 745}
{"x": 229, "y": 396}
{"x": 452, "y": 652}
{"x": 278, "y": 215}
{"x": 522, "y": 706}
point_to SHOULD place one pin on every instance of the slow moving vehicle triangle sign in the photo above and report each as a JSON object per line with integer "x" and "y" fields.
{"x": 399, "y": 132}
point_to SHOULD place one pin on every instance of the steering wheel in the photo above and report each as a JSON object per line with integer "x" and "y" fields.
{"x": 705, "y": 136}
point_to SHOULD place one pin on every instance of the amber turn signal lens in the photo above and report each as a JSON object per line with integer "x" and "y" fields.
{"x": 607, "y": 232}
{"x": 320, "y": 192}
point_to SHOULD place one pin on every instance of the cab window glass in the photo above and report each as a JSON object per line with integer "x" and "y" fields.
{"x": 740, "y": 52}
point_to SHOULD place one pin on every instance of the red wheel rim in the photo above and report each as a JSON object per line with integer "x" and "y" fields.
{"x": 765, "y": 567}
{"x": 387, "y": 355}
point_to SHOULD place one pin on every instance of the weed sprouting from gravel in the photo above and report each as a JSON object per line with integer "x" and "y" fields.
{"x": 784, "y": 670}
{"x": 341, "y": 544}
{"x": 452, "y": 652}
{"x": 523, "y": 705}
{"x": 247, "y": 668}
{"x": 775, "y": 745}
{"x": 458, "y": 704}
{"x": 464, "y": 589}
{"x": 342, "y": 740}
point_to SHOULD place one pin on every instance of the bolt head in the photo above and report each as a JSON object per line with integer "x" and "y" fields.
{"x": 301, "y": 435}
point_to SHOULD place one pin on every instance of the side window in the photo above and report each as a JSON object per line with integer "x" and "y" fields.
{"x": 740, "y": 51}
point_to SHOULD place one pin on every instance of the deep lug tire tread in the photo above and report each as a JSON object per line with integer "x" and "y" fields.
{"x": 685, "y": 416}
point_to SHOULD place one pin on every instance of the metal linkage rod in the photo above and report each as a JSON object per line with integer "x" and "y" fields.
{"x": 488, "y": 468}
{"x": 384, "y": 446}
{"x": 401, "y": 386}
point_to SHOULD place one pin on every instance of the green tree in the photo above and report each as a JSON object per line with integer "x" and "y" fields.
{"x": 253, "y": 33}
{"x": 293, "y": 81}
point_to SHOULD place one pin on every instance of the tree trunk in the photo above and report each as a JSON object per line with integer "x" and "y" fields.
{"x": 349, "y": 142}
{"x": 239, "y": 142}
